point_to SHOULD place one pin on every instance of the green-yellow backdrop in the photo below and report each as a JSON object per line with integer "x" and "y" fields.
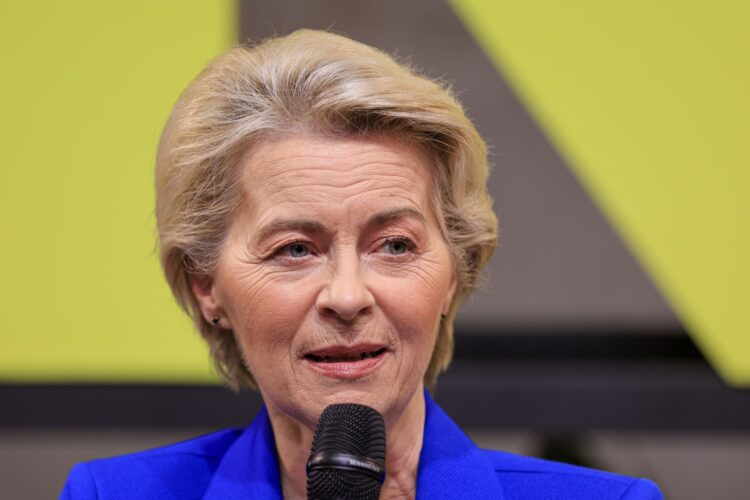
{"x": 647, "y": 101}
{"x": 649, "y": 104}
{"x": 86, "y": 87}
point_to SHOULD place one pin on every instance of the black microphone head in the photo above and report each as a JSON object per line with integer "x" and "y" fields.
{"x": 348, "y": 454}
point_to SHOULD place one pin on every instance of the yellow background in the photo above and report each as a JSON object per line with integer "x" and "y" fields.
{"x": 648, "y": 102}
{"x": 86, "y": 87}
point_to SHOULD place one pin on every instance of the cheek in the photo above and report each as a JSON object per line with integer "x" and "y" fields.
{"x": 422, "y": 291}
{"x": 265, "y": 315}
{"x": 414, "y": 303}
{"x": 421, "y": 301}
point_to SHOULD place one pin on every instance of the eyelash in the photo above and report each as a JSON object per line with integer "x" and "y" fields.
{"x": 410, "y": 247}
{"x": 287, "y": 246}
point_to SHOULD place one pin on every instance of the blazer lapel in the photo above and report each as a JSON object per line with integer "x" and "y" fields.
{"x": 451, "y": 465}
{"x": 249, "y": 468}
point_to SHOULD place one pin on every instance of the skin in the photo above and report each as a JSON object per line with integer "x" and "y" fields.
{"x": 335, "y": 274}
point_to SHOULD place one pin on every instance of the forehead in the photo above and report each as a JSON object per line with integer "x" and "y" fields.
{"x": 310, "y": 173}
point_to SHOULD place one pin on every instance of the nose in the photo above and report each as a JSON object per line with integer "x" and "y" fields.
{"x": 345, "y": 296}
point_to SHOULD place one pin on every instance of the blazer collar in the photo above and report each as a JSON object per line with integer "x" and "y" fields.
{"x": 249, "y": 468}
{"x": 450, "y": 465}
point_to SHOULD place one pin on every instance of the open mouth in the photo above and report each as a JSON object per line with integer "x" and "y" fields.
{"x": 348, "y": 362}
{"x": 345, "y": 357}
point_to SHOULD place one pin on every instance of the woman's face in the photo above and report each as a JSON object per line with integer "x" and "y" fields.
{"x": 334, "y": 274}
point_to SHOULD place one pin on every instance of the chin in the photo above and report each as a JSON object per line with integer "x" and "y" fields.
{"x": 360, "y": 395}
{"x": 388, "y": 400}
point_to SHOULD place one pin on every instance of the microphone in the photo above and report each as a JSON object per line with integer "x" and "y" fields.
{"x": 347, "y": 460}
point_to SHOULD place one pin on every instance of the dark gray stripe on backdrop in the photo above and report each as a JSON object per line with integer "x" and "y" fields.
{"x": 649, "y": 382}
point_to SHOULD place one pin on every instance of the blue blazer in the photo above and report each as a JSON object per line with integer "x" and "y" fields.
{"x": 239, "y": 463}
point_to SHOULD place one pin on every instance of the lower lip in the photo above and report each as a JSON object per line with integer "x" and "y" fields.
{"x": 348, "y": 370}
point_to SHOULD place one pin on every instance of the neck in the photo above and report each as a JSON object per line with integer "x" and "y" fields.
{"x": 403, "y": 446}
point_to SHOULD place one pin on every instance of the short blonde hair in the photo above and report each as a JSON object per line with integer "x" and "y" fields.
{"x": 310, "y": 82}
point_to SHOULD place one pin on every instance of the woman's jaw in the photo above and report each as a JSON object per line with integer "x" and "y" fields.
{"x": 383, "y": 375}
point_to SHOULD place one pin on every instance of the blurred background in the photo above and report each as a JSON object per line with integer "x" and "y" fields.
{"x": 613, "y": 327}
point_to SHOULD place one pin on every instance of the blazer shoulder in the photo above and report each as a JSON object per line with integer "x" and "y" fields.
{"x": 180, "y": 470}
{"x": 527, "y": 477}
{"x": 212, "y": 445}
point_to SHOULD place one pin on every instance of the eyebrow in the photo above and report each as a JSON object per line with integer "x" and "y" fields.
{"x": 301, "y": 225}
{"x": 382, "y": 218}
{"x": 312, "y": 226}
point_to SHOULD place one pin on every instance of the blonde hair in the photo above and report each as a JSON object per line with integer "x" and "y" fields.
{"x": 310, "y": 82}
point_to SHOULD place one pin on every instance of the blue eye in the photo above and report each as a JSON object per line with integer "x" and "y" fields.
{"x": 298, "y": 250}
{"x": 398, "y": 246}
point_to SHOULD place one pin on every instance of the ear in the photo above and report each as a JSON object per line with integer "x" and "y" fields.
{"x": 204, "y": 290}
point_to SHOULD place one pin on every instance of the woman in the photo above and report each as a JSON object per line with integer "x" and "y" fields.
{"x": 322, "y": 213}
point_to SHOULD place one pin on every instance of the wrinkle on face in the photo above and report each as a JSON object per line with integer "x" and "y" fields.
{"x": 314, "y": 176}
{"x": 275, "y": 308}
